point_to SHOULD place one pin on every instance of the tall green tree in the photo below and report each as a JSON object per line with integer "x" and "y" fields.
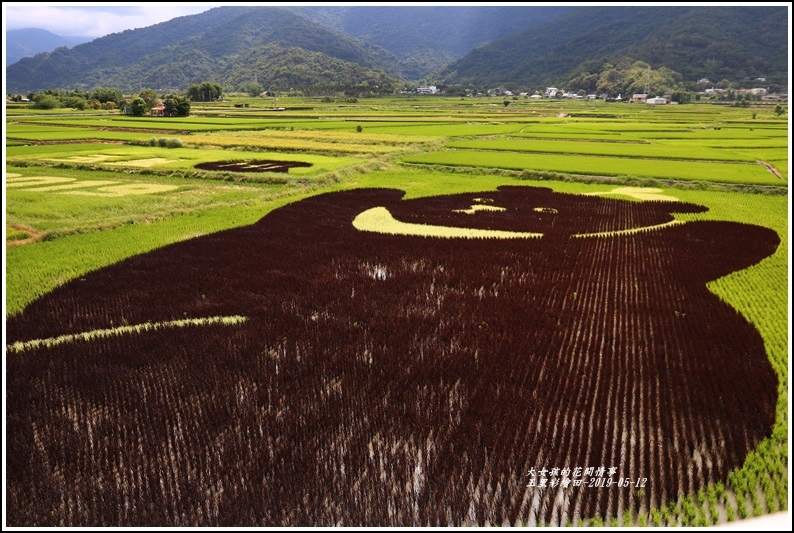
{"x": 138, "y": 107}
{"x": 107, "y": 94}
{"x": 206, "y": 91}
{"x": 176, "y": 106}
{"x": 255, "y": 89}
{"x": 74, "y": 102}
{"x": 150, "y": 97}
{"x": 45, "y": 101}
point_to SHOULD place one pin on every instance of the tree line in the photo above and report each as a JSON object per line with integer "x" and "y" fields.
{"x": 109, "y": 98}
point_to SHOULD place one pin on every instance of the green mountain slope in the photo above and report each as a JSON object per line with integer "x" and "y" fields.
{"x": 186, "y": 50}
{"x": 425, "y": 38}
{"x": 717, "y": 42}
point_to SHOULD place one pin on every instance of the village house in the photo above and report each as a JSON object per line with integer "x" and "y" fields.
{"x": 429, "y": 89}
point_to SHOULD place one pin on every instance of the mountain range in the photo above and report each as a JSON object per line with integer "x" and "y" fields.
{"x": 384, "y": 47}
{"x": 28, "y": 42}
{"x": 731, "y": 43}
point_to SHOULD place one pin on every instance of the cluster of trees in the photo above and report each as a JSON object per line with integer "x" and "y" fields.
{"x": 206, "y": 91}
{"x": 141, "y": 104}
{"x": 178, "y": 104}
{"x": 109, "y": 98}
{"x": 99, "y": 98}
{"x": 174, "y": 105}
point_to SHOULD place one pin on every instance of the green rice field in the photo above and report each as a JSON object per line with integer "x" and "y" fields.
{"x": 87, "y": 190}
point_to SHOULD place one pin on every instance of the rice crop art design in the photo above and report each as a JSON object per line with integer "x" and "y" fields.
{"x": 372, "y": 376}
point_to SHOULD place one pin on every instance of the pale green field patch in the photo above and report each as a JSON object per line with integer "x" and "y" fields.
{"x": 640, "y": 193}
{"x": 144, "y": 163}
{"x": 720, "y": 172}
{"x": 96, "y": 158}
{"x": 76, "y": 185}
{"x": 127, "y": 190}
{"x": 67, "y": 186}
{"x": 15, "y": 182}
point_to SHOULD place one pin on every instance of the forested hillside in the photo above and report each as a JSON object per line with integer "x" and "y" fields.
{"x": 714, "y": 42}
{"x": 172, "y": 55}
{"x": 427, "y": 38}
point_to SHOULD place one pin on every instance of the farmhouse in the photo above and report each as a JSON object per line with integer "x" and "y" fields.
{"x": 656, "y": 100}
{"x": 429, "y": 89}
{"x": 158, "y": 110}
{"x": 638, "y": 98}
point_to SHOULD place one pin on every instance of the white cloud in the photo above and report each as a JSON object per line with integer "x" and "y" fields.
{"x": 69, "y": 19}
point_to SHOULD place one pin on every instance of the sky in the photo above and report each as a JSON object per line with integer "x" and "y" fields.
{"x": 70, "y": 19}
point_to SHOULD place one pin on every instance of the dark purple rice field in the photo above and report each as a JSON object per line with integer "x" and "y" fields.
{"x": 392, "y": 380}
